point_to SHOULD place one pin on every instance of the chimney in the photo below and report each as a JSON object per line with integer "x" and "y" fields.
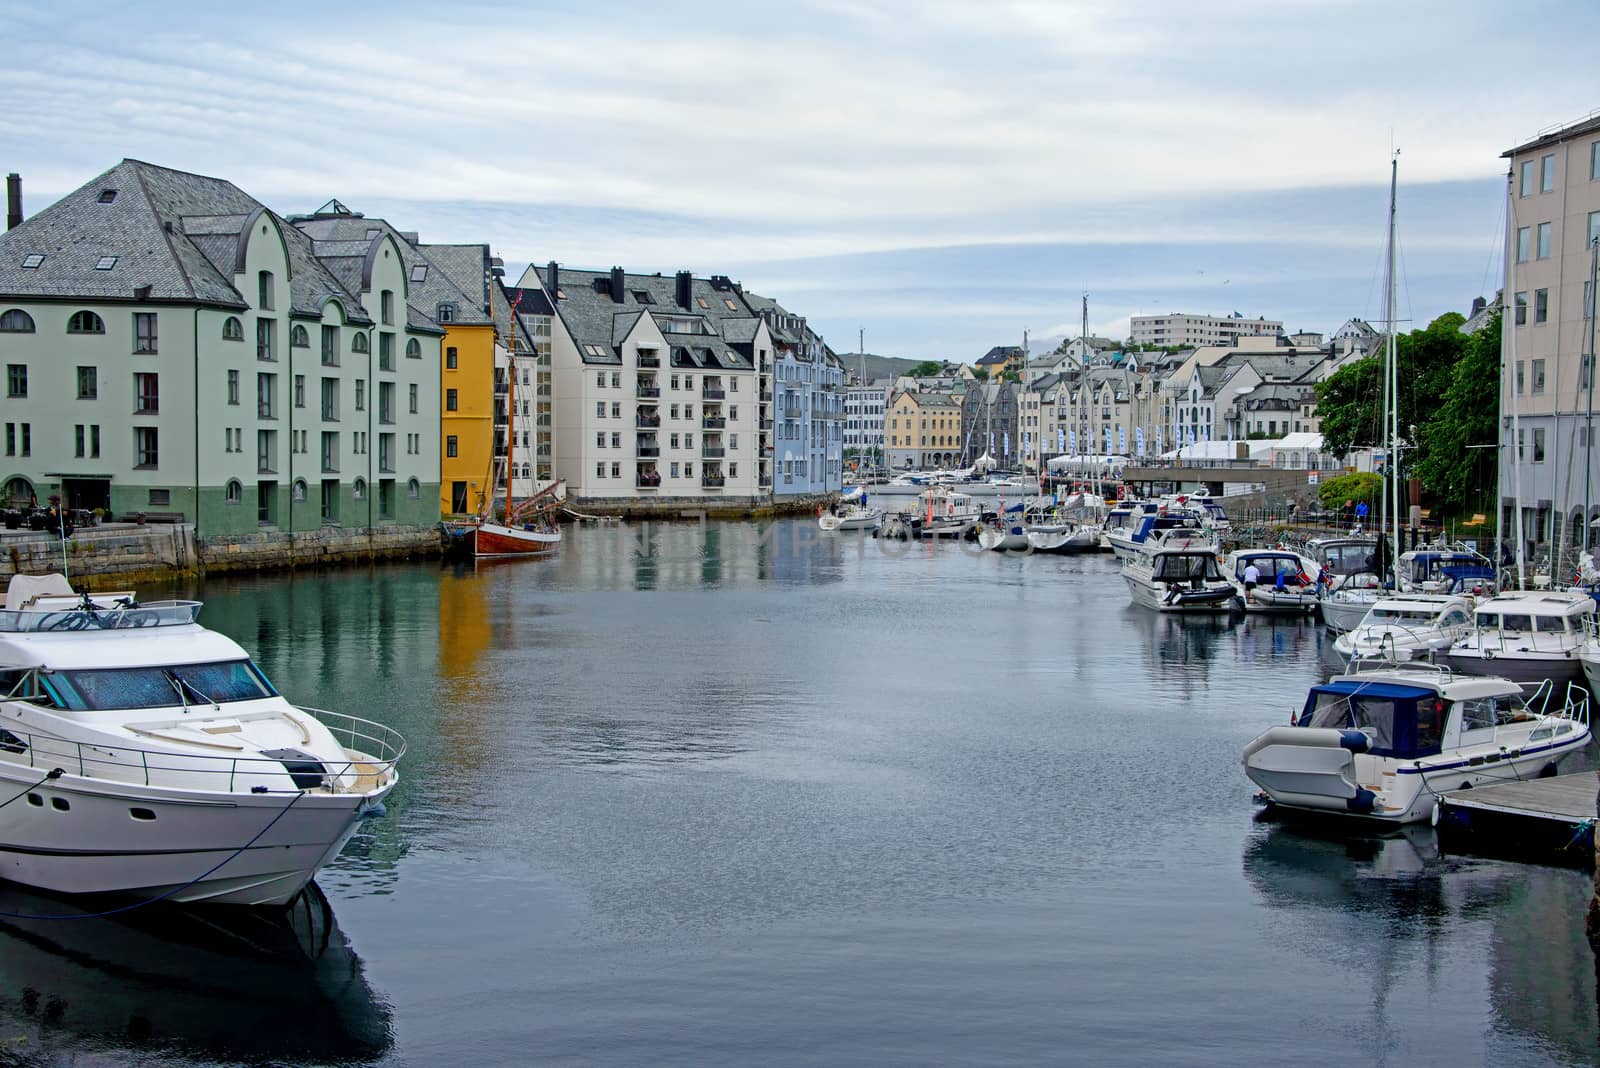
{"x": 685, "y": 287}
{"x": 13, "y": 200}
{"x": 1478, "y": 304}
{"x": 616, "y": 284}
{"x": 553, "y": 279}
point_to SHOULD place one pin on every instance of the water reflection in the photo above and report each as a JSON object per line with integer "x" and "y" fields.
{"x": 198, "y": 983}
{"x": 1393, "y": 910}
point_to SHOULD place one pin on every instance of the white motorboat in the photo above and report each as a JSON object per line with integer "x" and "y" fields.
{"x": 1004, "y": 534}
{"x": 851, "y": 517}
{"x": 1408, "y": 626}
{"x": 1286, "y": 582}
{"x": 1527, "y": 636}
{"x": 1064, "y": 539}
{"x": 1344, "y": 608}
{"x": 1153, "y": 529}
{"x": 1179, "y": 579}
{"x": 947, "y": 513}
{"x": 150, "y": 756}
{"x": 1382, "y": 741}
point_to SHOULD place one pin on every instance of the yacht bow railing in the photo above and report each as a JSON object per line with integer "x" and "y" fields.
{"x": 372, "y": 750}
{"x": 94, "y": 617}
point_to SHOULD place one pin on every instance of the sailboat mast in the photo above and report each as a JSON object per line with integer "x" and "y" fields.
{"x": 511, "y": 400}
{"x": 1588, "y": 376}
{"x": 1393, "y": 379}
{"x": 1509, "y": 376}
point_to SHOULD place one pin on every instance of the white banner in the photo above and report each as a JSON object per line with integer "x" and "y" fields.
{"x": 1072, "y": 442}
{"x": 1122, "y": 440}
{"x": 1138, "y": 439}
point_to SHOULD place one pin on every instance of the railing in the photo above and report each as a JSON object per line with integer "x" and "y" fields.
{"x": 373, "y": 750}
{"x": 713, "y": 452}
{"x": 647, "y": 391}
{"x": 712, "y": 393}
{"x": 644, "y": 420}
{"x": 648, "y": 481}
{"x": 713, "y": 422}
{"x": 60, "y": 613}
{"x": 712, "y": 481}
{"x": 650, "y": 360}
{"x": 766, "y": 424}
{"x": 648, "y": 450}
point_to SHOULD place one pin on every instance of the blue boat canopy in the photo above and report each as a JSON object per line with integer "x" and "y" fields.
{"x": 1402, "y": 721}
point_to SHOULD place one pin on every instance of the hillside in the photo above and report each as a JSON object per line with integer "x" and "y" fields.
{"x": 877, "y": 366}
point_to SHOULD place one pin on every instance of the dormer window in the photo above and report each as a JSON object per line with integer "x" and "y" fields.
{"x": 446, "y": 312}
{"x": 107, "y": 196}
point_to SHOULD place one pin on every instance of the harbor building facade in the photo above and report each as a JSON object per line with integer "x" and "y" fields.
{"x": 863, "y": 429}
{"x": 924, "y": 431}
{"x": 172, "y": 346}
{"x": 1188, "y": 331}
{"x": 1547, "y": 444}
{"x": 808, "y": 409}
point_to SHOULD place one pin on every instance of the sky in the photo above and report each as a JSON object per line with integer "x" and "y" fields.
{"x": 940, "y": 176}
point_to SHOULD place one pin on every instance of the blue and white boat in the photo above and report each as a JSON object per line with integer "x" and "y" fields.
{"x": 1381, "y": 742}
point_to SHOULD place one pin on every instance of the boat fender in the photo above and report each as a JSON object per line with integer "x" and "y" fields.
{"x": 1363, "y": 801}
{"x": 1355, "y": 741}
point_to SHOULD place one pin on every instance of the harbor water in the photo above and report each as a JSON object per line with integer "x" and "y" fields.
{"x": 749, "y": 793}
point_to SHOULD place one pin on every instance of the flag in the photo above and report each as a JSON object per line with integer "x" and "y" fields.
{"x": 1108, "y": 440}
{"x": 1005, "y": 438}
{"x": 991, "y": 443}
{"x": 1061, "y": 439}
{"x": 1122, "y": 440}
{"x": 1072, "y": 442}
{"x": 1138, "y": 439}
{"x": 1027, "y": 442}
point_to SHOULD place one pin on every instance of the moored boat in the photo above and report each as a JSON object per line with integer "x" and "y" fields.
{"x": 1285, "y": 583}
{"x": 1408, "y": 626}
{"x": 1527, "y": 636}
{"x": 1179, "y": 579}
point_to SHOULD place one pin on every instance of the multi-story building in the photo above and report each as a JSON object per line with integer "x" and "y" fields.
{"x": 924, "y": 431}
{"x": 182, "y": 298}
{"x": 1552, "y": 229}
{"x": 809, "y": 405}
{"x": 661, "y": 385}
{"x": 863, "y": 432}
{"x": 989, "y": 422}
{"x": 1180, "y": 329}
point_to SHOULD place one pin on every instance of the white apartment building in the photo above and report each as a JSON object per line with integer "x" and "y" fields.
{"x": 863, "y": 428}
{"x": 1553, "y": 224}
{"x": 1178, "y": 328}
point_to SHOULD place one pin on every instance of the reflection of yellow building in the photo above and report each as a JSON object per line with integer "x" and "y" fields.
{"x": 465, "y": 630}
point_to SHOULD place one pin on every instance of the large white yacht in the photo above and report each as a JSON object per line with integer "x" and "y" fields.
{"x": 1527, "y": 636}
{"x": 1179, "y": 578}
{"x": 1408, "y": 626}
{"x": 141, "y": 753}
{"x": 1382, "y": 742}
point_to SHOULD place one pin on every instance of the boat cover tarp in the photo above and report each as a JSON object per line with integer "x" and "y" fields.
{"x": 1404, "y": 722}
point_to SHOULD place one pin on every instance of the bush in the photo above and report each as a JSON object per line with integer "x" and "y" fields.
{"x": 1356, "y": 488}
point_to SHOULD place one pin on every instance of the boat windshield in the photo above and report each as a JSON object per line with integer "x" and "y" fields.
{"x": 1178, "y": 567}
{"x": 1270, "y": 567}
{"x": 1419, "y": 615}
{"x": 1348, "y": 559}
{"x": 104, "y": 689}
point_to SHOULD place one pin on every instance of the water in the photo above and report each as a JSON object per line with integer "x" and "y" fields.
{"x": 748, "y": 793}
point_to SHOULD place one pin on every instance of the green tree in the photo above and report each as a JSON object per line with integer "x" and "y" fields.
{"x": 1350, "y": 401}
{"x": 980, "y": 373}
{"x": 1347, "y": 408}
{"x": 1457, "y": 461}
{"x": 1335, "y": 492}
{"x": 926, "y": 369}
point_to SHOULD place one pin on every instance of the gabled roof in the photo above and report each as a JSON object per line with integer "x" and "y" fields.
{"x": 344, "y": 241}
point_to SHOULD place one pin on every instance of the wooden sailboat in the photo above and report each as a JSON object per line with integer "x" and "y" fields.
{"x": 528, "y": 528}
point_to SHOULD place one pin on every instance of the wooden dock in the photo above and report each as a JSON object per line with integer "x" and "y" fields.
{"x": 1550, "y": 820}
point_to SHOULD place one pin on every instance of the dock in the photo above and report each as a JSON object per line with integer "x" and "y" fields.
{"x": 1548, "y": 820}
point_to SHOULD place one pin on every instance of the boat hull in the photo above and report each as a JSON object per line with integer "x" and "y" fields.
{"x": 495, "y": 539}
{"x": 177, "y": 838}
{"x": 1527, "y": 671}
{"x": 1069, "y": 541}
{"x": 1345, "y": 615}
{"x": 1009, "y": 540}
{"x": 1214, "y": 599}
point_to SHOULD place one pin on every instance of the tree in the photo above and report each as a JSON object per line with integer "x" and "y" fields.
{"x": 1346, "y": 408}
{"x": 926, "y": 369}
{"x": 980, "y": 373}
{"x": 1350, "y": 401}
{"x": 1359, "y": 488}
{"x": 1458, "y": 461}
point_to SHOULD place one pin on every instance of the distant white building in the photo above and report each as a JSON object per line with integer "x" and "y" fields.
{"x": 1177, "y": 328}
{"x": 863, "y": 412}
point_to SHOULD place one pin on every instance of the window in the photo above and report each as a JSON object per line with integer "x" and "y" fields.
{"x": 674, "y": 411}
{"x": 85, "y": 322}
{"x": 232, "y": 329}
{"x": 105, "y": 263}
{"x": 88, "y": 383}
{"x": 144, "y": 332}
{"x": 413, "y": 488}
{"x": 299, "y": 391}
{"x": 616, "y": 410}
{"x": 616, "y": 379}
{"x": 674, "y": 441}
{"x": 733, "y": 442}
{"x": 1521, "y": 304}
{"x": 413, "y": 349}
{"x": 79, "y": 440}
{"x": 450, "y": 400}
{"x": 1538, "y": 375}
{"x": 233, "y": 387}
{"x": 386, "y": 352}
{"x": 600, "y": 380}
{"x": 446, "y": 313}
{"x": 386, "y": 452}
{"x": 159, "y": 498}
{"x": 1543, "y": 241}
{"x": 361, "y": 394}
{"x": 330, "y": 400}
{"x": 358, "y": 489}
{"x": 386, "y": 402}
{"x": 674, "y": 470}
{"x": 450, "y": 358}
{"x": 600, "y": 469}
{"x": 264, "y": 291}
{"x": 330, "y": 451}
{"x": 1547, "y": 173}
{"x": 360, "y": 345}
{"x": 17, "y": 321}
{"x": 674, "y": 381}
{"x": 599, "y": 409}
{"x": 330, "y": 346}
{"x": 419, "y": 272}
{"x": 107, "y": 196}
{"x": 450, "y": 445}
{"x": 233, "y": 492}
{"x": 146, "y": 394}
{"x": 267, "y": 396}
{"x": 413, "y": 398}
{"x": 16, "y": 380}
{"x": 299, "y": 337}
{"x": 94, "y": 441}
{"x": 1525, "y": 185}
{"x": 266, "y": 339}
{"x": 386, "y": 498}
{"x": 616, "y": 441}
{"x": 32, "y": 262}
{"x": 1524, "y": 235}
{"x": 1541, "y": 305}
{"x": 616, "y": 470}
{"x": 266, "y": 451}
{"x": 146, "y": 447}
{"x": 733, "y": 470}
{"x": 1594, "y": 162}
{"x": 599, "y": 439}
{"x": 1538, "y": 444}
{"x": 298, "y": 490}
{"x": 386, "y": 307}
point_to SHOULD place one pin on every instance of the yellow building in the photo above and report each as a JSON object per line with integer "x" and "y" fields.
{"x": 922, "y": 431}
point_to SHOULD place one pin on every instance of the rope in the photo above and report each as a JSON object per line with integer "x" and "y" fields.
{"x": 161, "y": 897}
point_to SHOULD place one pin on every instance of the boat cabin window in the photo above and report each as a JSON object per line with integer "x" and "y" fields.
{"x": 1180, "y": 567}
{"x": 1413, "y": 615}
{"x": 1480, "y": 713}
{"x": 1347, "y": 559}
{"x": 156, "y": 687}
{"x": 1510, "y": 622}
{"x": 1401, "y": 721}
{"x": 1270, "y": 568}
{"x": 1455, "y": 617}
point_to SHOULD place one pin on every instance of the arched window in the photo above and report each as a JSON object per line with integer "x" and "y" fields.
{"x": 413, "y": 349}
{"x": 413, "y": 489}
{"x": 358, "y": 489}
{"x": 18, "y": 491}
{"x": 16, "y": 321}
{"x": 233, "y": 492}
{"x": 299, "y": 489}
{"x": 359, "y": 345}
{"x": 86, "y": 322}
{"x": 232, "y": 329}
{"x": 298, "y": 338}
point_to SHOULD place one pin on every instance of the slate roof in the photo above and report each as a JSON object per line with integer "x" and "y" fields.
{"x": 345, "y": 239}
{"x": 174, "y": 232}
{"x": 1000, "y": 354}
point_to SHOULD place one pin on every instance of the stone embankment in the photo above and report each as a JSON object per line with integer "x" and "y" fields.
{"x": 126, "y": 554}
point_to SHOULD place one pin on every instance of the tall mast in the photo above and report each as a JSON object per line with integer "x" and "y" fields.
{"x": 1084, "y": 336}
{"x": 1509, "y": 376}
{"x": 1588, "y": 375}
{"x": 1393, "y": 382}
{"x": 511, "y": 400}
{"x": 1022, "y": 420}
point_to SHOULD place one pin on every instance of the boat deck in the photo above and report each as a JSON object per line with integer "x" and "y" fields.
{"x": 1539, "y": 819}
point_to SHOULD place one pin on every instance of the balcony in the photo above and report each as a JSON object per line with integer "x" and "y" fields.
{"x": 766, "y": 367}
{"x": 766, "y": 448}
{"x": 648, "y": 450}
{"x": 648, "y": 421}
{"x": 647, "y": 480}
{"x": 713, "y": 481}
{"x": 647, "y": 392}
{"x": 766, "y": 396}
{"x": 713, "y": 452}
{"x": 765, "y": 482}
{"x": 649, "y": 359}
{"x": 766, "y": 424}
{"x": 713, "y": 422}
{"x": 713, "y": 393}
